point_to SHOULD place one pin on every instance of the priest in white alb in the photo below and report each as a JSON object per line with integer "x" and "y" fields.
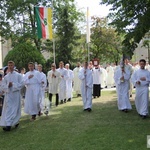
{"x": 62, "y": 85}
{"x": 85, "y": 75}
{"x": 110, "y": 76}
{"x": 12, "y": 84}
{"x": 141, "y": 80}
{"x": 32, "y": 80}
{"x": 69, "y": 81}
{"x": 76, "y": 80}
{"x": 122, "y": 77}
{"x": 42, "y": 89}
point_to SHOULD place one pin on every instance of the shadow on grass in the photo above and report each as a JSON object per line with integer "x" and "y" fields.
{"x": 68, "y": 127}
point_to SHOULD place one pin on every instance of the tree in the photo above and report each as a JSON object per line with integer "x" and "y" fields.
{"x": 18, "y": 23}
{"x": 105, "y": 43}
{"x": 130, "y": 17}
{"x": 17, "y": 20}
{"x": 24, "y": 53}
{"x": 146, "y": 44}
{"x": 66, "y": 18}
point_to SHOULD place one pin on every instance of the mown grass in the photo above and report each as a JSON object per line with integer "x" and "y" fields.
{"x": 69, "y": 128}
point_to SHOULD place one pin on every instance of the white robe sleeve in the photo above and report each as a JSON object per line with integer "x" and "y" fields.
{"x": 117, "y": 77}
{"x": 134, "y": 78}
{"x": 89, "y": 79}
{"x": 66, "y": 75}
{"x": 126, "y": 75}
{"x": 26, "y": 79}
{"x": 44, "y": 85}
{"x": 71, "y": 75}
{"x": 18, "y": 85}
{"x": 81, "y": 74}
{"x": 5, "y": 87}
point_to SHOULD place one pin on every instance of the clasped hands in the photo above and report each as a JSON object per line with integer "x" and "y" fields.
{"x": 10, "y": 84}
{"x": 142, "y": 79}
{"x": 30, "y": 76}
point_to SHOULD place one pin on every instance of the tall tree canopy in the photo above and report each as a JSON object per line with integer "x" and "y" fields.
{"x": 130, "y": 17}
{"x": 67, "y": 19}
{"x": 105, "y": 43}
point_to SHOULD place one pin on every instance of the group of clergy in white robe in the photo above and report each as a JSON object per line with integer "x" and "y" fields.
{"x": 12, "y": 83}
{"x": 140, "y": 79}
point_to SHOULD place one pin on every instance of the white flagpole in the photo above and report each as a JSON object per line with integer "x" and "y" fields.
{"x": 88, "y": 33}
{"x": 53, "y": 34}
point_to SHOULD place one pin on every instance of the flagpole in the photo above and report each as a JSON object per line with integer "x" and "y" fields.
{"x": 88, "y": 35}
{"x": 53, "y": 35}
{"x": 88, "y": 52}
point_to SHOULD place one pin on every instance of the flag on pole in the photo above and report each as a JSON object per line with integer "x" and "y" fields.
{"x": 88, "y": 27}
{"x": 44, "y": 22}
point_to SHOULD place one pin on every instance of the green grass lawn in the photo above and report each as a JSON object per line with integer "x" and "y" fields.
{"x": 69, "y": 128}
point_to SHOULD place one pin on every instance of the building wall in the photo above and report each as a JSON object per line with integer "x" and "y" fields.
{"x": 141, "y": 52}
{"x": 5, "y": 47}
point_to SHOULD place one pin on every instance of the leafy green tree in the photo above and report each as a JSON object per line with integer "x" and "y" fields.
{"x": 146, "y": 44}
{"x": 24, "y": 53}
{"x": 17, "y": 20}
{"x": 130, "y": 17}
{"x": 66, "y": 18}
{"x": 105, "y": 43}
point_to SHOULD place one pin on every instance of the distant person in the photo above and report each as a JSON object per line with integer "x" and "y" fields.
{"x": 141, "y": 80}
{"x": 85, "y": 75}
{"x": 12, "y": 85}
{"x": 23, "y": 90}
{"x": 42, "y": 89}
{"x": 69, "y": 81}
{"x": 76, "y": 80}
{"x": 129, "y": 67}
{"x": 1, "y": 92}
{"x": 110, "y": 76}
{"x": 97, "y": 72}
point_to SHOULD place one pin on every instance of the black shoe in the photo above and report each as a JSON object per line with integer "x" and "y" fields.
{"x": 143, "y": 116}
{"x": 7, "y": 128}
{"x": 39, "y": 114}
{"x": 125, "y": 110}
{"x": 16, "y": 126}
{"x": 79, "y": 95}
{"x": 131, "y": 95}
{"x": 85, "y": 109}
{"x": 89, "y": 109}
{"x": 69, "y": 100}
{"x": 94, "y": 97}
{"x": 61, "y": 102}
{"x": 46, "y": 112}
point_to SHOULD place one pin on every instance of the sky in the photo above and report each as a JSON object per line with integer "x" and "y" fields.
{"x": 95, "y": 9}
